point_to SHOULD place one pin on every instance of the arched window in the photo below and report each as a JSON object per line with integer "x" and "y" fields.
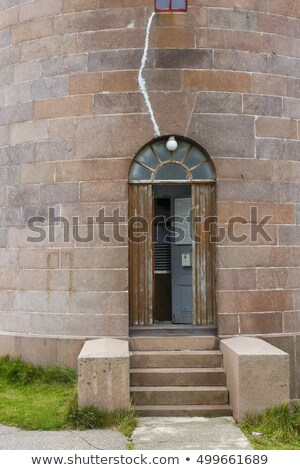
{"x": 156, "y": 164}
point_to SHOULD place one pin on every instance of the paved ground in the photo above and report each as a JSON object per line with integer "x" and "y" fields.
{"x": 189, "y": 433}
{"x": 100, "y": 439}
{"x": 151, "y": 434}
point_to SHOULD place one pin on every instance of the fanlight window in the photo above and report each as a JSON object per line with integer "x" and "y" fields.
{"x": 170, "y": 5}
{"x": 156, "y": 164}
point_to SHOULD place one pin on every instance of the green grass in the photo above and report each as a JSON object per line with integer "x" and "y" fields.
{"x": 91, "y": 417}
{"x": 34, "y": 398}
{"x": 279, "y": 428}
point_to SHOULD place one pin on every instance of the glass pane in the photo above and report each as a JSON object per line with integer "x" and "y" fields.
{"x": 171, "y": 172}
{"x": 148, "y": 158}
{"x": 162, "y": 4}
{"x": 204, "y": 172}
{"x": 181, "y": 151}
{"x": 139, "y": 173}
{"x": 195, "y": 157}
{"x": 161, "y": 150}
{"x": 178, "y": 4}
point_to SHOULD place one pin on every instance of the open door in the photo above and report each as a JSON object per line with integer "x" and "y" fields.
{"x": 141, "y": 254}
{"x": 204, "y": 293}
{"x": 182, "y": 305}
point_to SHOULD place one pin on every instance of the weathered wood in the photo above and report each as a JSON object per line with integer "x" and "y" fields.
{"x": 204, "y": 304}
{"x": 141, "y": 276}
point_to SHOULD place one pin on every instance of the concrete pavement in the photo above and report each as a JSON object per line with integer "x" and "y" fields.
{"x": 189, "y": 433}
{"x": 151, "y": 434}
{"x": 94, "y": 439}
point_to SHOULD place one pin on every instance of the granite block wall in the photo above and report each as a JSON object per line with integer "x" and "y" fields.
{"x": 226, "y": 74}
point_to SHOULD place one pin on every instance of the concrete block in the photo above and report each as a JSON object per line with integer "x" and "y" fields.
{"x": 241, "y": 60}
{"x": 63, "y": 65}
{"x": 287, "y": 343}
{"x": 36, "y": 350}
{"x": 210, "y": 129}
{"x": 103, "y": 374}
{"x": 21, "y": 112}
{"x": 10, "y": 216}
{"x": 232, "y": 19}
{"x": 183, "y": 58}
{"x": 23, "y": 153}
{"x": 24, "y": 195}
{"x": 116, "y": 60}
{"x": 18, "y": 93}
{"x": 31, "y": 30}
{"x": 49, "y": 87}
{"x": 34, "y": 131}
{"x": 7, "y": 345}
{"x": 55, "y": 150}
{"x": 4, "y": 38}
{"x": 28, "y": 70}
{"x": 68, "y": 349}
{"x": 39, "y": 9}
{"x": 9, "y": 175}
{"x": 3, "y": 239}
{"x": 4, "y": 131}
{"x": 257, "y": 375}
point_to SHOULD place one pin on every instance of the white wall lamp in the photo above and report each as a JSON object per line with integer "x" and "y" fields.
{"x": 171, "y": 144}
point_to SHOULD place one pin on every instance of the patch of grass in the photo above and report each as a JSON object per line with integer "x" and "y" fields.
{"x": 15, "y": 371}
{"x": 278, "y": 428}
{"x": 91, "y": 417}
{"x": 34, "y": 398}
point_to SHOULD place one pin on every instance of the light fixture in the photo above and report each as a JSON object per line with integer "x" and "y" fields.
{"x": 171, "y": 144}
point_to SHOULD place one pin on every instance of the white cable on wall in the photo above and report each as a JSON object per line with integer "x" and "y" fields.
{"x": 142, "y": 83}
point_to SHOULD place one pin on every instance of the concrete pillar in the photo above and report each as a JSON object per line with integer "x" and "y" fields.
{"x": 257, "y": 375}
{"x": 103, "y": 374}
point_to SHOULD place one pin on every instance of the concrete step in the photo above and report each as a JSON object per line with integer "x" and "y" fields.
{"x": 184, "y": 410}
{"x": 179, "y": 395}
{"x": 174, "y": 343}
{"x": 178, "y": 377}
{"x": 169, "y": 329}
{"x": 175, "y": 359}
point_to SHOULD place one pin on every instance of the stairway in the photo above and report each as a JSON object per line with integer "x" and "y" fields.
{"x": 178, "y": 376}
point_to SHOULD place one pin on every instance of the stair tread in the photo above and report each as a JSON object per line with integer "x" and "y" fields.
{"x": 166, "y": 370}
{"x": 173, "y": 336}
{"x": 181, "y": 407}
{"x": 185, "y": 352}
{"x": 196, "y": 388}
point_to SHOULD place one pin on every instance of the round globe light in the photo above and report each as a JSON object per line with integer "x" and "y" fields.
{"x": 171, "y": 144}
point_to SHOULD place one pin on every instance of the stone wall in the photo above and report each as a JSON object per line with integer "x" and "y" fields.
{"x": 226, "y": 74}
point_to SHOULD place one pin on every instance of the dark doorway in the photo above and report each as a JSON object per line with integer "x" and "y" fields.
{"x": 172, "y": 281}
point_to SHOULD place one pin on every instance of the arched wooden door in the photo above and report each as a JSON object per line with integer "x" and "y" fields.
{"x": 154, "y": 165}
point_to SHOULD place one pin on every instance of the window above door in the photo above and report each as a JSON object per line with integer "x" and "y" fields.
{"x": 156, "y": 164}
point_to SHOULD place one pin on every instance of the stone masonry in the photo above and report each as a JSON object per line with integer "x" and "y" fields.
{"x": 225, "y": 74}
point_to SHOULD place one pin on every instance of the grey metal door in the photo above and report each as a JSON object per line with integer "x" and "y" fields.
{"x": 182, "y": 304}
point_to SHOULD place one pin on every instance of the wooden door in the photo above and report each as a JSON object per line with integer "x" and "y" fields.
{"x": 204, "y": 304}
{"x": 141, "y": 262}
{"x": 141, "y": 266}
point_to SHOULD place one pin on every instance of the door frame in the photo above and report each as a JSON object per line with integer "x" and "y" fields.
{"x": 141, "y": 255}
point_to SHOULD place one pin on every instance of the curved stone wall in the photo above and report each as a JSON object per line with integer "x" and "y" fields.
{"x": 226, "y": 74}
